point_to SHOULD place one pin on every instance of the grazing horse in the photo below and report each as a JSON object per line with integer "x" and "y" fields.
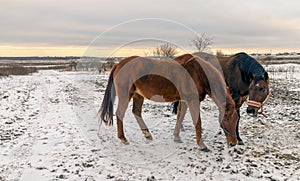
{"x": 245, "y": 77}
{"x": 167, "y": 81}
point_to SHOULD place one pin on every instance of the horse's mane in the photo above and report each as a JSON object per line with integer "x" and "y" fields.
{"x": 248, "y": 65}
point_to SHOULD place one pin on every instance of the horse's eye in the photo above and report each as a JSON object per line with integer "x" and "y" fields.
{"x": 262, "y": 89}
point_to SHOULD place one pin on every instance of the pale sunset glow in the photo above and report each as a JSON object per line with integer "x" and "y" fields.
{"x": 19, "y": 51}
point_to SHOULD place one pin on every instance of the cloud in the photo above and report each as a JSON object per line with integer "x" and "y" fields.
{"x": 233, "y": 23}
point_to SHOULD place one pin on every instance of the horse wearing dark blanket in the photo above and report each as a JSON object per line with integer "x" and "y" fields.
{"x": 245, "y": 78}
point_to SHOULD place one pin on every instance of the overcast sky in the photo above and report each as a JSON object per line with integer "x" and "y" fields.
{"x": 57, "y": 26}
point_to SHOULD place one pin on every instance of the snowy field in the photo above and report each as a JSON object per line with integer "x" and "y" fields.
{"x": 49, "y": 131}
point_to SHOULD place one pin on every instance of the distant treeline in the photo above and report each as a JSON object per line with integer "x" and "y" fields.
{"x": 282, "y": 58}
{"x": 259, "y": 56}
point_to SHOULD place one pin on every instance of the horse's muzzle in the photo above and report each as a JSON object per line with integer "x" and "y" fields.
{"x": 232, "y": 144}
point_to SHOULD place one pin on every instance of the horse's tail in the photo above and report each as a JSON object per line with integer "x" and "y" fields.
{"x": 175, "y": 107}
{"x": 107, "y": 106}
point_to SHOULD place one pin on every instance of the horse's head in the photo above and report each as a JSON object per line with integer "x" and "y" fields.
{"x": 229, "y": 121}
{"x": 259, "y": 93}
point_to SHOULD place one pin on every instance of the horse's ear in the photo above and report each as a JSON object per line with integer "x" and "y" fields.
{"x": 252, "y": 76}
{"x": 265, "y": 76}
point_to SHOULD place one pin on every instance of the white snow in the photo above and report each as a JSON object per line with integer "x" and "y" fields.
{"x": 49, "y": 130}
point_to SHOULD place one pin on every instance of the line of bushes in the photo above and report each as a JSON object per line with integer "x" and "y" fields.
{"x": 16, "y": 70}
{"x": 22, "y": 70}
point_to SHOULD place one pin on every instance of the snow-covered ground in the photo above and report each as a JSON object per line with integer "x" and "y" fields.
{"x": 49, "y": 131}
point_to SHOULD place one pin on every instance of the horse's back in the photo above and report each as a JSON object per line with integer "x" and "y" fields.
{"x": 182, "y": 59}
{"x": 158, "y": 80}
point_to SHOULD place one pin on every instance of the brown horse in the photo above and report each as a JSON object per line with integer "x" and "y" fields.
{"x": 167, "y": 81}
{"x": 244, "y": 76}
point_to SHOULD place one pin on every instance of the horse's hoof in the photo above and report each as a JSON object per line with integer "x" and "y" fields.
{"x": 205, "y": 150}
{"x": 147, "y": 134}
{"x": 178, "y": 141}
{"x": 240, "y": 142}
{"x": 182, "y": 128}
{"x": 124, "y": 142}
{"x": 149, "y": 137}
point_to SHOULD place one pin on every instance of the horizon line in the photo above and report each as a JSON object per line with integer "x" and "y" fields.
{"x": 72, "y": 51}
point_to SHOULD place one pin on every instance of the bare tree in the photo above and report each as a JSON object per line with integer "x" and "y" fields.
{"x": 166, "y": 50}
{"x": 219, "y": 53}
{"x": 202, "y": 43}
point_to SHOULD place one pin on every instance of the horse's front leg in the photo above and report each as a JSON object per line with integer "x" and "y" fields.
{"x": 138, "y": 101}
{"x": 182, "y": 107}
{"x": 238, "y": 103}
{"x": 199, "y": 137}
{"x": 194, "y": 107}
{"x": 240, "y": 141}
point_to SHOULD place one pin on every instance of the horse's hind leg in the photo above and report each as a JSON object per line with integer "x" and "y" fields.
{"x": 122, "y": 106}
{"x": 182, "y": 107}
{"x": 138, "y": 101}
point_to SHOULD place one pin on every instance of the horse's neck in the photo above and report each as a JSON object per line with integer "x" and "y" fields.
{"x": 252, "y": 67}
{"x": 219, "y": 96}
